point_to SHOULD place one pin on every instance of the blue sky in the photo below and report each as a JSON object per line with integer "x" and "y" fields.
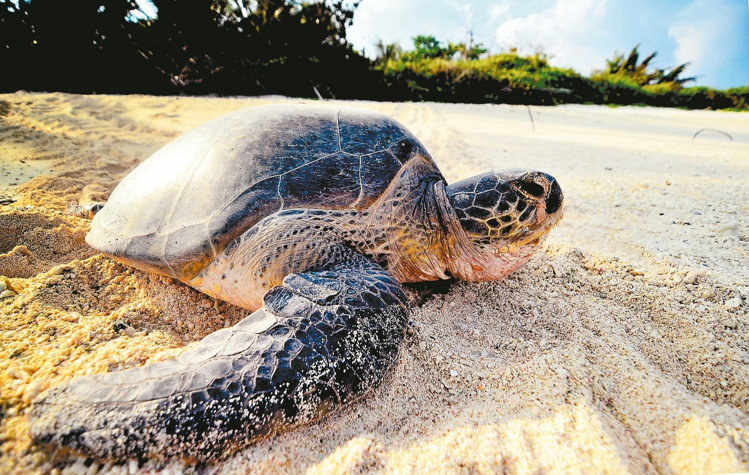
{"x": 712, "y": 35}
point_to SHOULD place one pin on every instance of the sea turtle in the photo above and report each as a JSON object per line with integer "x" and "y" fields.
{"x": 312, "y": 217}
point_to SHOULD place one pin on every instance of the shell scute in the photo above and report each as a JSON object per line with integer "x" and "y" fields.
{"x": 312, "y": 182}
{"x": 363, "y": 132}
{"x": 184, "y": 204}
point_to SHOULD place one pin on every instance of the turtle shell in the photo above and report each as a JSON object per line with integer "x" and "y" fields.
{"x": 181, "y": 206}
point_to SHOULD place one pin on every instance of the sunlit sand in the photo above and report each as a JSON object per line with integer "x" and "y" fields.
{"x": 622, "y": 346}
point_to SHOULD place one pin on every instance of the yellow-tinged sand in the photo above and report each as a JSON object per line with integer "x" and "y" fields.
{"x": 622, "y": 347}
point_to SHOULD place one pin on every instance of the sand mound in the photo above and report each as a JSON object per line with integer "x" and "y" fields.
{"x": 622, "y": 346}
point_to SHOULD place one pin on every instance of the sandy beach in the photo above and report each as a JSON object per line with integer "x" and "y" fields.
{"x": 622, "y": 346}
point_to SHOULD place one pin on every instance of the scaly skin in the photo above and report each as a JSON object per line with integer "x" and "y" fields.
{"x": 321, "y": 339}
{"x": 331, "y": 318}
{"x": 396, "y": 232}
{"x": 415, "y": 231}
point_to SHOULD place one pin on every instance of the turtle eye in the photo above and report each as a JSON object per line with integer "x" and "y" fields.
{"x": 531, "y": 188}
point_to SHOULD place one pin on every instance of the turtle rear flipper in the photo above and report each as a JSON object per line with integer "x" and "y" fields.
{"x": 322, "y": 338}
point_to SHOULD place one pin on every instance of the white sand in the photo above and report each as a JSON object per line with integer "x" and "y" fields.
{"x": 623, "y": 346}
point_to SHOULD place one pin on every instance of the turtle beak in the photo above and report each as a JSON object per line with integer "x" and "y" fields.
{"x": 548, "y": 200}
{"x": 545, "y": 206}
{"x": 554, "y": 197}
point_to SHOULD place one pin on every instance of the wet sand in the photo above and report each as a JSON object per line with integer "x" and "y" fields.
{"x": 622, "y": 346}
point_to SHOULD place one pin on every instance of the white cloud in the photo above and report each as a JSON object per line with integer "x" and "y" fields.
{"x": 399, "y": 21}
{"x": 497, "y": 11}
{"x": 692, "y": 42}
{"x": 379, "y": 20}
{"x": 566, "y": 31}
{"x": 713, "y": 35}
{"x": 700, "y": 35}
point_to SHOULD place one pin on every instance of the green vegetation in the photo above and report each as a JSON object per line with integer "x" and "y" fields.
{"x": 297, "y": 47}
{"x": 448, "y": 74}
{"x": 637, "y": 71}
{"x": 458, "y": 74}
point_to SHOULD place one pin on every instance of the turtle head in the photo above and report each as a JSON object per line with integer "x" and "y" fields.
{"x": 504, "y": 215}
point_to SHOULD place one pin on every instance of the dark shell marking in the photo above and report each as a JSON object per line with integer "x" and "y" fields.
{"x": 179, "y": 208}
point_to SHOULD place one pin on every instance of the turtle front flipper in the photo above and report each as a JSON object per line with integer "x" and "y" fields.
{"x": 322, "y": 338}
